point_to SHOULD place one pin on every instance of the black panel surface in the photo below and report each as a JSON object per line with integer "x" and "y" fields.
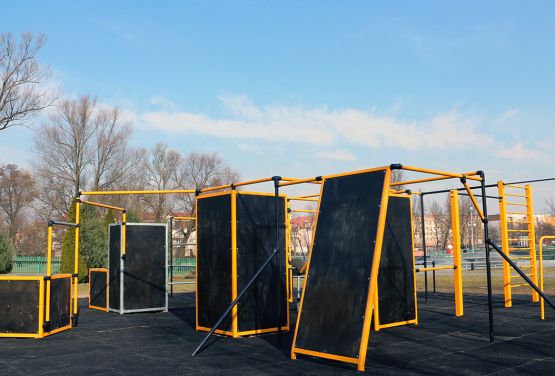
{"x": 336, "y": 290}
{"x": 144, "y": 282}
{"x": 60, "y": 302}
{"x": 396, "y": 298}
{"x": 98, "y": 289}
{"x": 213, "y": 260}
{"x": 19, "y": 306}
{"x": 114, "y": 246}
{"x": 256, "y": 240}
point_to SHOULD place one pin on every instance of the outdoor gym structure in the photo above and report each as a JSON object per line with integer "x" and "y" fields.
{"x": 342, "y": 287}
{"x": 360, "y": 267}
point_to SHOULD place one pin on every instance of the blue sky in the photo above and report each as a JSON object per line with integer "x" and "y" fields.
{"x": 302, "y": 88}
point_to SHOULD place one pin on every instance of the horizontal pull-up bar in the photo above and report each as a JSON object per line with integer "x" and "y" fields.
{"x": 302, "y": 199}
{"x": 441, "y": 267}
{"x": 469, "y": 175}
{"x": 488, "y": 186}
{"x": 302, "y": 211}
{"x": 102, "y": 205}
{"x": 156, "y": 192}
{"x": 301, "y": 181}
{"x": 183, "y": 218}
{"x": 60, "y": 223}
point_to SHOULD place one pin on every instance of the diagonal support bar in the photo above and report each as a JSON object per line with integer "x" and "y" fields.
{"x": 522, "y": 274}
{"x": 473, "y": 199}
{"x": 234, "y": 303}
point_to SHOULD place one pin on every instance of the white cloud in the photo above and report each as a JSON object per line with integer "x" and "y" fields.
{"x": 337, "y": 155}
{"x": 503, "y": 117}
{"x": 519, "y": 153}
{"x": 323, "y": 127}
{"x": 163, "y": 102}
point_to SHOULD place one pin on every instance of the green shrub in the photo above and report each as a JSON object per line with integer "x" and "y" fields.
{"x": 6, "y": 252}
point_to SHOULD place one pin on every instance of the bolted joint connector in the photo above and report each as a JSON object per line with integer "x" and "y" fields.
{"x": 198, "y": 192}
{"x": 396, "y": 166}
{"x": 463, "y": 179}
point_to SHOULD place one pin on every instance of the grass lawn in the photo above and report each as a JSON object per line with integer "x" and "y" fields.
{"x": 474, "y": 281}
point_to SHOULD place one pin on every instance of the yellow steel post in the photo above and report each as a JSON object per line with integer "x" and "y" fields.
{"x": 234, "y": 317}
{"x": 531, "y": 240}
{"x": 372, "y": 290}
{"x": 457, "y": 264}
{"x": 76, "y": 257}
{"x": 48, "y": 271}
{"x": 40, "y": 333}
{"x": 288, "y": 249}
{"x": 124, "y": 233}
{"x": 504, "y": 244}
{"x": 542, "y": 302}
{"x": 413, "y": 262}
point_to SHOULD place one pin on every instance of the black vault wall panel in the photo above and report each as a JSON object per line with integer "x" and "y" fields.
{"x": 256, "y": 240}
{"x": 336, "y": 290}
{"x": 60, "y": 303}
{"x": 144, "y": 283}
{"x": 114, "y": 265}
{"x": 19, "y": 306}
{"x": 98, "y": 289}
{"x": 213, "y": 260}
{"x": 396, "y": 299}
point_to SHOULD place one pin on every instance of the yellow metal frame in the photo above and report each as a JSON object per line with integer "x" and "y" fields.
{"x": 377, "y": 325}
{"x": 235, "y": 332}
{"x": 41, "y": 308}
{"x": 360, "y": 361}
{"x": 542, "y": 302}
{"x": 69, "y": 326}
{"x": 457, "y": 259}
{"x": 507, "y": 238}
{"x": 103, "y": 270}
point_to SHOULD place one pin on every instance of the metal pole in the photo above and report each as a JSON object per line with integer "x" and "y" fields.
{"x": 234, "y": 303}
{"x": 522, "y": 274}
{"x": 170, "y": 250}
{"x": 276, "y": 180}
{"x": 424, "y": 250}
{"x": 488, "y": 259}
{"x": 434, "y": 276}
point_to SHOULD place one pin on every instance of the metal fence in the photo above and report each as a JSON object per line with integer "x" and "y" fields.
{"x": 30, "y": 265}
{"x": 183, "y": 265}
{"x": 34, "y": 265}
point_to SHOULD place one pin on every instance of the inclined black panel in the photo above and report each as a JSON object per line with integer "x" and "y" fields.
{"x": 114, "y": 266}
{"x": 213, "y": 260}
{"x": 396, "y": 298}
{"x": 336, "y": 290}
{"x": 256, "y": 240}
{"x": 60, "y": 303}
{"x": 144, "y": 283}
{"x": 98, "y": 289}
{"x": 19, "y": 306}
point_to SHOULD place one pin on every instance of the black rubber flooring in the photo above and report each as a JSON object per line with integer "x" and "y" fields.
{"x": 162, "y": 343}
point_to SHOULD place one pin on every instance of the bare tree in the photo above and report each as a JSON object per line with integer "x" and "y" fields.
{"x": 396, "y": 177}
{"x": 550, "y": 206}
{"x": 198, "y": 171}
{"x": 160, "y": 167}
{"x": 79, "y": 149}
{"x": 441, "y": 224}
{"x": 111, "y": 159}
{"x": 17, "y": 190}
{"x": 21, "y": 79}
